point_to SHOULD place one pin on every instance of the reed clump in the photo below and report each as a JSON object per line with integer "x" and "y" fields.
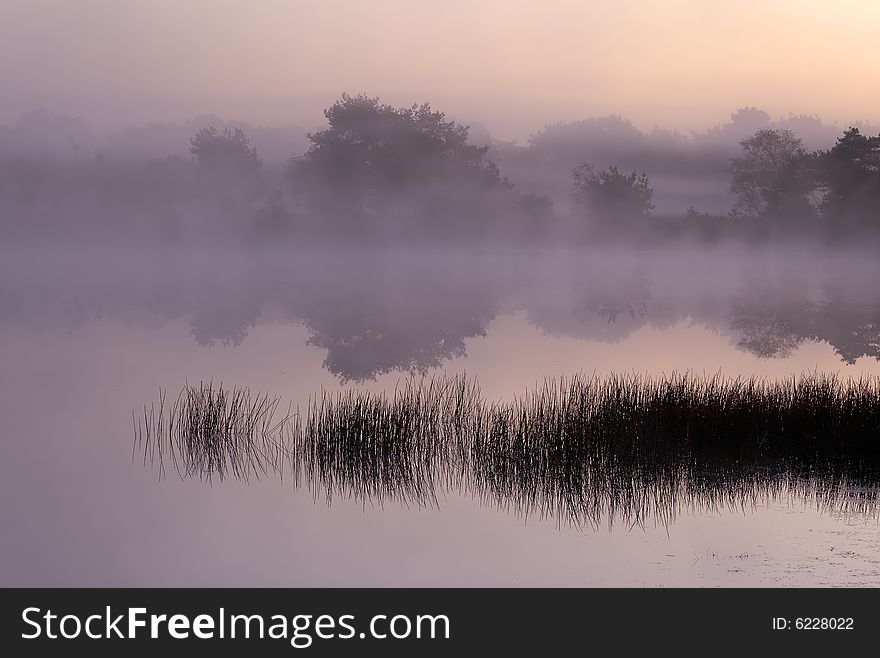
{"x": 212, "y": 431}
{"x": 582, "y": 448}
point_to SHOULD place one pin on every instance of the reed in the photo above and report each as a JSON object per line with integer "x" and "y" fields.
{"x": 210, "y": 431}
{"x": 580, "y": 449}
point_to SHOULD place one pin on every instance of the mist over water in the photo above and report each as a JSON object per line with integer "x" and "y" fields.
{"x": 393, "y": 246}
{"x": 374, "y": 311}
{"x": 91, "y": 333}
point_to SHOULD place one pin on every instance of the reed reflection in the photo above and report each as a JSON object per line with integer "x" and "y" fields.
{"x": 582, "y": 450}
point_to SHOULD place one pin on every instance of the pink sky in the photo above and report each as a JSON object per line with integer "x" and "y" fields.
{"x": 512, "y": 65}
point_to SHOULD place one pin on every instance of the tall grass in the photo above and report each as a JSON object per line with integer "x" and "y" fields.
{"x": 580, "y": 449}
{"x": 209, "y": 431}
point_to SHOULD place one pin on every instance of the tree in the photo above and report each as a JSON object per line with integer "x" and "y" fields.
{"x": 536, "y": 207}
{"x": 601, "y": 138}
{"x": 772, "y": 178}
{"x": 850, "y": 176}
{"x": 749, "y": 119}
{"x": 611, "y": 194}
{"x": 726, "y": 137}
{"x": 374, "y": 155}
{"x": 228, "y": 151}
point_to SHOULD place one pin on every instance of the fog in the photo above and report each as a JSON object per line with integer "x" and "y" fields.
{"x": 513, "y": 66}
{"x": 385, "y": 174}
{"x": 297, "y": 197}
{"x": 376, "y": 311}
{"x": 396, "y": 235}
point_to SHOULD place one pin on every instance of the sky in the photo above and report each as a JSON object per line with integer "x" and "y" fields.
{"x": 512, "y": 65}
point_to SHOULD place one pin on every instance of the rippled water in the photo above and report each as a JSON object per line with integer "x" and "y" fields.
{"x": 87, "y": 338}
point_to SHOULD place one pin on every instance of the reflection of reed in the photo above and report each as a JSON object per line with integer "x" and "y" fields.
{"x": 211, "y": 431}
{"x": 625, "y": 447}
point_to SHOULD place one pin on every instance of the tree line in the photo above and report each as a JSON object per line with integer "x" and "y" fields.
{"x": 411, "y": 171}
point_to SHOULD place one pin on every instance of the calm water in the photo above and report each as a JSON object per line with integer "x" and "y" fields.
{"x": 85, "y": 338}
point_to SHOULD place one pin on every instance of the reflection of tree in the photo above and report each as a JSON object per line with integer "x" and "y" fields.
{"x": 413, "y": 312}
{"x": 407, "y": 328}
{"x": 766, "y": 333}
{"x": 225, "y": 324}
{"x": 588, "y": 318}
{"x": 607, "y": 312}
{"x": 852, "y": 327}
{"x": 364, "y": 352}
{"x": 847, "y": 322}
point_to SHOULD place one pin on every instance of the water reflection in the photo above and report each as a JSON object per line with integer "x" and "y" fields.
{"x": 580, "y": 450}
{"x": 848, "y": 319}
{"x": 376, "y": 312}
{"x": 87, "y": 337}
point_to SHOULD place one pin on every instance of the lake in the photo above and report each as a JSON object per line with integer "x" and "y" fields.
{"x": 87, "y": 336}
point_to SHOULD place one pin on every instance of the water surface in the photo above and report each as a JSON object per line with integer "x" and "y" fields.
{"x": 88, "y": 337}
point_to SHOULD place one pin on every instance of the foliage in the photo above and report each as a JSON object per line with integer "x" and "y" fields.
{"x": 850, "y": 176}
{"x": 373, "y": 154}
{"x": 229, "y": 150}
{"x": 772, "y": 177}
{"x": 611, "y": 194}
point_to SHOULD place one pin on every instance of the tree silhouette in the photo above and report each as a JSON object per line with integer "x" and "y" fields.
{"x": 229, "y": 151}
{"x": 850, "y": 175}
{"x": 749, "y": 119}
{"x": 602, "y": 138}
{"x": 373, "y": 155}
{"x": 772, "y": 177}
{"x": 611, "y": 194}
